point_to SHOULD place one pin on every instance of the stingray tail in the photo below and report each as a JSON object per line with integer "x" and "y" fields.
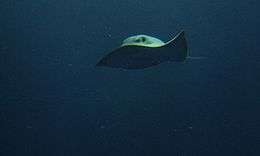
{"x": 178, "y": 49}
{"x": 196, "y": 57}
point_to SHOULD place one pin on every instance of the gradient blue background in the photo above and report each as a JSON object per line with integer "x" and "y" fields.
{"x": 54, "y": 102}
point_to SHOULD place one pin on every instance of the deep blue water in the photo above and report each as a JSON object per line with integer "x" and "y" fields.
{"x": 55, "y": 102}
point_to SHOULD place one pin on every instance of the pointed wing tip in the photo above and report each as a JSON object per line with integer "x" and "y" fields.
{"x": 99, "y": 64}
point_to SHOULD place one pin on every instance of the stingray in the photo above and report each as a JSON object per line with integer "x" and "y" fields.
{"x": 143, "y": 51}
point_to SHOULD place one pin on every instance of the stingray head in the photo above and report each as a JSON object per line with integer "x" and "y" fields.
{"x": 143, "y": 40}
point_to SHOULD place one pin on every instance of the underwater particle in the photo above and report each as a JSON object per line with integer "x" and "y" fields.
{"x": 29, "y": 127}
{"x": 3, "y": 47}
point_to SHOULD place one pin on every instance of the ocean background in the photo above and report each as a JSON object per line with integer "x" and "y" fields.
{"x": 55, "y": 102}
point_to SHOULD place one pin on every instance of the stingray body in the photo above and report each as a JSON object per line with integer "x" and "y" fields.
{"x": 142, "y": 51}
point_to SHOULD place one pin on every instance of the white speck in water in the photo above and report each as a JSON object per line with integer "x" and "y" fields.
{"x": 28, "y": 126}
